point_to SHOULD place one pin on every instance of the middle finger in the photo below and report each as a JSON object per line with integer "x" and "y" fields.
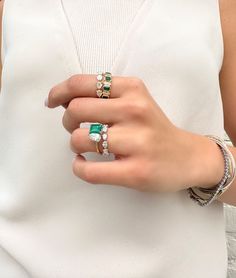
{"x": 79, "y": 110}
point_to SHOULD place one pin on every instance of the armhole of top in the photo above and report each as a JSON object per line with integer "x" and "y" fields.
{"x": 220, "y": 33}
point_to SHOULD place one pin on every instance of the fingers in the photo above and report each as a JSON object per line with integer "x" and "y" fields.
{"x": 117, "y": 172}
{"x": 81, "y": 85}
{"x": 91, "y": 110}
{"x": 81, "y": 143}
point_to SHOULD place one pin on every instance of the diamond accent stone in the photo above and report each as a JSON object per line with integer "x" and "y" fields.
{"x": 99, "y": 77}
{"x": 99, "y": 93}
{"x": 95, "y": 137}
{"x": 105, "y": 144}
{"x": 104, "y": 128}
{"x": 104, "y": 136}
{"x": 99, "y": 85}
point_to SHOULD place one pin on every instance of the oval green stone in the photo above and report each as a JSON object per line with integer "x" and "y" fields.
{"x": 107, "y": 87}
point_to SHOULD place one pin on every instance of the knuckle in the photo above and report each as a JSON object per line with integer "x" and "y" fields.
{"x": 84, "y": 172}
{"x": 142, "y": 174}
{"x": 136, "y": 83}
{"x": 88, "y": 176}
{"x": 140, "y": 142}
{"x": 74, "y": 139}
{"x": 73, "y": 82}
{"x": 75, "y": 170}
{"x": 73, "y": 106}
{"x": 136, "y": 109}
{"x": 147, "y": 137}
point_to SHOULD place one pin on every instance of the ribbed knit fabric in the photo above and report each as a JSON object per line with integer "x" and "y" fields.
{"x": 98, "y": 29}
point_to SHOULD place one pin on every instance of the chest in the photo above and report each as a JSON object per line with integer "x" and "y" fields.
{"x": 172, "y": 34}
{"x": 174, "y": 46}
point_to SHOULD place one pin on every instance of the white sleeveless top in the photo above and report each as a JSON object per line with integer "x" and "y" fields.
{"x": 54, "y": 225}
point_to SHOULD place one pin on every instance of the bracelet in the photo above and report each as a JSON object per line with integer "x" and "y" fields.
{"x": 205, "y": 196}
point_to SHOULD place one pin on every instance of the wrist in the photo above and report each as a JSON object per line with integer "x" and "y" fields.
{"x": 208, "y": 161}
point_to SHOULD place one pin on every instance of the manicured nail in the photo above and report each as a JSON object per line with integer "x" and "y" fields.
{"x": 46, "y": 102}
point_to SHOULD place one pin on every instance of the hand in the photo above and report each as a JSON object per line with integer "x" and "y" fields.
{"x": 151, "y": 153}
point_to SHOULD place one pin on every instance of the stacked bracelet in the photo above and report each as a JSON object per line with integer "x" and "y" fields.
{"x": 205, "y": 196}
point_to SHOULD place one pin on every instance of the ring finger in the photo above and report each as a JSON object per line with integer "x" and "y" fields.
{"x": 91, "y": 110}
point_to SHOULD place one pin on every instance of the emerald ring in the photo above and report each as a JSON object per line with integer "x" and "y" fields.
{"x": 104, "y": 81}
{"x": 97, "y": 133}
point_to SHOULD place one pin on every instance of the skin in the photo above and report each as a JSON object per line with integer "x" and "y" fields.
{"x": 151, "y": 161}
{"x": 163, "y": 157}
{"x": 161, "y": 154}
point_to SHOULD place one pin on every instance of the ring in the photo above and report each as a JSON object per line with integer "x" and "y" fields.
{"x": 96, "y": 133}
{"x": 105, "y": 150}
{"x": 97, "y": 148}
{"x": 104, "y": 81}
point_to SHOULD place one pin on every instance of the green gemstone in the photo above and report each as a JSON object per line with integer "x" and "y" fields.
{"x": 106, "y": 87}
{"x": 108, "y": 78}
{"x": 95, "y": 128}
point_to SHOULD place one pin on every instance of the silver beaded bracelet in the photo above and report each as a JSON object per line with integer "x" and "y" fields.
{"x": 205, "y": 196}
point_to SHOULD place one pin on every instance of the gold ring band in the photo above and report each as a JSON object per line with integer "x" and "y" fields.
{"x": 97, "y": 147}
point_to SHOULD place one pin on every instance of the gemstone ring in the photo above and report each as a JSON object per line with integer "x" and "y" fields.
{"x": 98, "y": 132}
{"x": 105, "y": 150}
{"x": 104, "y": 81}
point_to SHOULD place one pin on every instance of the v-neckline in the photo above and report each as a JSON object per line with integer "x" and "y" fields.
{"x": 132, "y": 27}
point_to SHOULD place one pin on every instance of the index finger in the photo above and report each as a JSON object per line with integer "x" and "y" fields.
{"x": 81, "y": 85}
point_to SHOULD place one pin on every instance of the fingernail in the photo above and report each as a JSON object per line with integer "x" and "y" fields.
{"x": 46, "y": 102}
